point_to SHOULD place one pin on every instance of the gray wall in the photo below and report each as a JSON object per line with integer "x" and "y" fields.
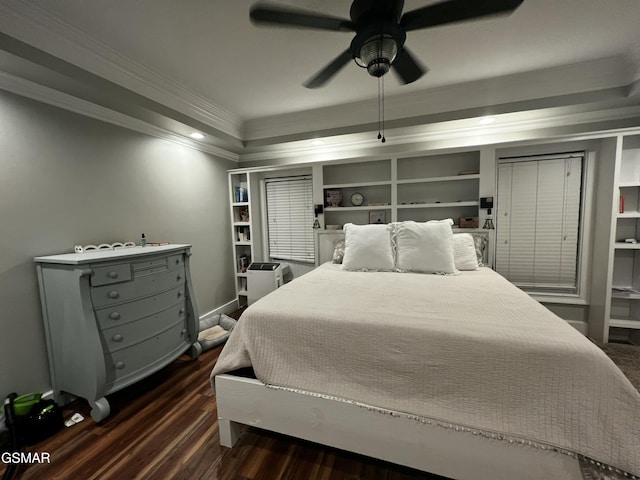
{"x": 66, "y": 179}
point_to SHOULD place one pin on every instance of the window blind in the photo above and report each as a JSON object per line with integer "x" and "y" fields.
{"x": 538, "y": 222}
{"x": 290, "y": 218}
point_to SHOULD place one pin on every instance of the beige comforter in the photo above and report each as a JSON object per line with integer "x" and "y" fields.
{"x": 469, "y": 349}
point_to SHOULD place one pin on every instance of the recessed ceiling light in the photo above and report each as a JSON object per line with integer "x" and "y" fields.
{"x": 317, "y": 142}
{"x": 197, "y": 135}
{"x": 486, "y": 120}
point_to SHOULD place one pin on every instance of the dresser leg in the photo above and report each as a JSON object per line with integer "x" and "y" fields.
{"x": 195, "y": 350}
{"x": 100, "y": 409}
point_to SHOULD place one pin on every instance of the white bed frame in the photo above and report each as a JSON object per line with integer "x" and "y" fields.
{"x": 395, "y": 437}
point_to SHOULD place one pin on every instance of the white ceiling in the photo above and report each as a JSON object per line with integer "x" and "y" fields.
{"x": 206, "y": 53}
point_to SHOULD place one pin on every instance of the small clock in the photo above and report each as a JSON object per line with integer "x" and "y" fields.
{"x": 357, "y": 199}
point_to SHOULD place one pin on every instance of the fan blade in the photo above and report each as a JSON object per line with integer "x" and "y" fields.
{"x": 452, "y": 11}
{"x": 407, "y": 67}
{"x": 320, "y": 78}
{"x": 263, "y": 13}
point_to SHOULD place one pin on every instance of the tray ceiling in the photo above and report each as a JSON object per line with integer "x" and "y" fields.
{"x": 207, "y": 61}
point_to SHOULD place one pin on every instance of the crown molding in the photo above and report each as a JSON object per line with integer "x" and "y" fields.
{"x": 424, "y": 116}
{"x": 554, "y": 123}
{"x": 35, "y": 91}
{"x": 29, "y": 23}
{"x": 596, "y": 77}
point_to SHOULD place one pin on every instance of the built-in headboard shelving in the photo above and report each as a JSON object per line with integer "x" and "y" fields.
{"x": 420, "y": 188}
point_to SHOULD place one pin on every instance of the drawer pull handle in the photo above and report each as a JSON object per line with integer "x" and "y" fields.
{"x": 119, "y": 365}
{"x": 183, "y": 332}
{"x": 181, "y": 312}
{"x": 179, "y": 293}
{"x": 179, "y": 276}
{"x": 115, "y": 316}
{"x": 118, "y": 338}
{"x": 113, "y": 274}
{"x": 177, "y": 261}
{"x": 113, "y": 294}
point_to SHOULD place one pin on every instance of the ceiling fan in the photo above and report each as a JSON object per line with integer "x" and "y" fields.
{"x": 381, "y": 30}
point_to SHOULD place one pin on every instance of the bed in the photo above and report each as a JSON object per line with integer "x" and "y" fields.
{"x": 459, "y": 374}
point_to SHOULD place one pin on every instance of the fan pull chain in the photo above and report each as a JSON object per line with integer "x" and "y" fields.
{"x": 381, "y": 110}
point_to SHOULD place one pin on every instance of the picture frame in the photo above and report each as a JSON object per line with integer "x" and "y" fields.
{"x": 334, "y": 198}
{"x": 377, "y": 216}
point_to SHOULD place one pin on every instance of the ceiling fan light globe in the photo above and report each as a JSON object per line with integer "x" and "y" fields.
{"x": 377, "y": 54}
{"x": 378, "y": 68}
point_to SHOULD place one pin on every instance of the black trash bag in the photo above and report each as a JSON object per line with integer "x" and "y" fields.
{"x": 44, "y": 420}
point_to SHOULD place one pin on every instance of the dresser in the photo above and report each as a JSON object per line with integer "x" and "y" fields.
{"x": 113, "y": 317}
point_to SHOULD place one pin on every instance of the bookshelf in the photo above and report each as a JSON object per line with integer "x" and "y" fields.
{"x": 241, "y": 230}
{"x": 624, "y": 306}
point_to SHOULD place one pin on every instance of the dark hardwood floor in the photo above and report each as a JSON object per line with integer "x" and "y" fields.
{"x": 166, "y": 427}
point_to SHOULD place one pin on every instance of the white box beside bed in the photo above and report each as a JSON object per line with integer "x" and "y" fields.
{"x": 443, "y": 447}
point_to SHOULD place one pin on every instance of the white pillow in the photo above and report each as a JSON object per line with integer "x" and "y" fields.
{"x": 448, "y": 221}
{"x": 464, "y": 252}
{"x": 425, "y": 247}
{"x": 367, "y": 247}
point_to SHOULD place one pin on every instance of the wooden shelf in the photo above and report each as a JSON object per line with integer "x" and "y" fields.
{"x": 626, "y": 246}
{"x": 471, "y": 203}
{"x": 453, "y": 178}
{"x": 625, "y": 296}
{"x": 353, "y": 209}
{"x": 624, "y": 323}
{"x": 356, "y": 185}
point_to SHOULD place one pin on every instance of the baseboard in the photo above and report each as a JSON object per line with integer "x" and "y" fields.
{"x": 227, "y": 308}
{"x": 48, "y": 395}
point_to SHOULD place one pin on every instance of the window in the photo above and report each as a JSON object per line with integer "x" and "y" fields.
{"x": 290, "y": 218}
{"x": 538, "y": 222}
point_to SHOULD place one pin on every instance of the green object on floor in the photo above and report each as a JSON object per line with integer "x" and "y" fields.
{"x": 23, "y": 404}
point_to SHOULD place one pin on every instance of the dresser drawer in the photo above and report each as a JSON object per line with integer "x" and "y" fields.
{"x": 130, "y": 364}
{"x": 158, "y": 264}
{"x": 110, "y": 274}
{"x": 175, "y": 260}
{"x": 114, "y": 315}
{"x": 126, "y": 335}
{"x": 137, "y": 288}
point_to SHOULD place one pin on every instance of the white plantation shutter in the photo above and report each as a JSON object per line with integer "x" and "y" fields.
{"x": 290, "y": 218}
{"x": 538, "y": 222}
